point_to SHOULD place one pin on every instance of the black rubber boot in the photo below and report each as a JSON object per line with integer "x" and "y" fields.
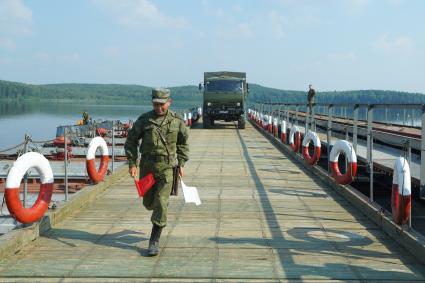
{"x": 153, "y": 248}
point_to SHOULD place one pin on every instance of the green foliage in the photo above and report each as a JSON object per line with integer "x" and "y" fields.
{"x": 264, "y": 94}
{"x": 93, "y": 92}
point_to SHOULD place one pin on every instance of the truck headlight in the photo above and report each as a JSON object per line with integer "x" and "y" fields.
{"x": 209, "y": 104}
{"x": 238, "y": 104}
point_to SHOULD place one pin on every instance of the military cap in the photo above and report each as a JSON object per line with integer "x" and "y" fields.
{"x": 160, "y": 95}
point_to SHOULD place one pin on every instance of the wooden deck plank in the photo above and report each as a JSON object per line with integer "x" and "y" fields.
{"x": 263, "y": 219}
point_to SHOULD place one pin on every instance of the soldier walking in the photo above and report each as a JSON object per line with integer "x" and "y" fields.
{"x": 164, "y": 145}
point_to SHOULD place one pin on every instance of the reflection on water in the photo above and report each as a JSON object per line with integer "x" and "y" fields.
{"x": 40, "y": 119}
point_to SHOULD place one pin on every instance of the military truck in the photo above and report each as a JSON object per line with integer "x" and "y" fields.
{"x": 224, "y": 98}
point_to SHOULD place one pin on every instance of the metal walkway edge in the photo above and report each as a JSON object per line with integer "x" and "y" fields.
{"x": 263, "y": 219}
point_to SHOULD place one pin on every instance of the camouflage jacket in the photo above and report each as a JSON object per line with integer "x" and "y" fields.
{"x": 152, "y": 148}
{"x": 310, "y": 96}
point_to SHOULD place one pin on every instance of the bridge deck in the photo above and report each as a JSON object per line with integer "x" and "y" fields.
{"x": 262, "y": 218}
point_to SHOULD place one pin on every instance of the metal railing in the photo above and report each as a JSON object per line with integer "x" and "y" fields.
{"x": 344, "y": 120}
{"x": 31, "y": 145}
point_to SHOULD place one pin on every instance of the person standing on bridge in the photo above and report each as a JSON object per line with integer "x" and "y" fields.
{"x": 310, "y": 100}
{"x": 164, "y": 145}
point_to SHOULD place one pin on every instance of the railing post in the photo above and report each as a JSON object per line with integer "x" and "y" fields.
{"x": 280, "y": 112}
{"x": 347, "y": 138}
{"x": 386, "y": 115}
{"x": 307, "y": 118}
{"x": 329, "y": 135}
{"x": 422, "y": 190}
{"x": 296, "y": 115}
{"x": 65, "y": 149}
{"x": 271, "y": 109}
{"x": 24, "y": 199}
{"x": 279, "y": 122}
{"x": 370, "y": 148}
{"x": 409, "y": 151}
{"x": 113, "y": 146}
{"x": 355, "y": 123}
{"x": 312, "y": 117}
{"x": 287, "y": 116}
{"x": 404, "y": 116}
{"x": 413, "y": 117}
{"x": 409, "y": 162}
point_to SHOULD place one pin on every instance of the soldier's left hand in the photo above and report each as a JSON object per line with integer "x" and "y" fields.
{"x": 181, "y": 171}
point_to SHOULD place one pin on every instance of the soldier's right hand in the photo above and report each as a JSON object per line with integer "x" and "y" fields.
{"x": 133, "y": 172}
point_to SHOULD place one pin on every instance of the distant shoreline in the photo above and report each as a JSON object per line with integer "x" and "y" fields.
{"x": 102, "y": 101}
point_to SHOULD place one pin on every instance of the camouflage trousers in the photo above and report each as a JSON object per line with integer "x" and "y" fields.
{"x": 158, "y": 196}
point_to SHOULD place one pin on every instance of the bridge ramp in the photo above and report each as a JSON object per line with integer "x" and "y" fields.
{"x": 262, "y": 219}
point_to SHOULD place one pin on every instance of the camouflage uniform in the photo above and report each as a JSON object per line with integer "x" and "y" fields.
{"x": 154, "y": 157}
{"x": 85, "y": 118}
{"x": 310, "y": 98}
{"x": 310, "y": 95}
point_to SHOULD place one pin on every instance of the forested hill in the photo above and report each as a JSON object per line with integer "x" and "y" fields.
{"x": 92, "y": 92}
{"x": 116, "y": 93}
{"x": 260, "y": 93}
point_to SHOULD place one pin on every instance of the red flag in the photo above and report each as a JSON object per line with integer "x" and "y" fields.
{"x": 144, "y": 184}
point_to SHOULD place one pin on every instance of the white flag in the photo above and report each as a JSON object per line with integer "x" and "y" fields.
{"x": 190, "y": 193}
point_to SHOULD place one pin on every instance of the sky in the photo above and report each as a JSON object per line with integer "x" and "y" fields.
{"x": 285, "y": 44}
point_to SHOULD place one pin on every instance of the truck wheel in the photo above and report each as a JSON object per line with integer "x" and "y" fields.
{"x": 205, "y": 122}
{"x": 241, "y": 123}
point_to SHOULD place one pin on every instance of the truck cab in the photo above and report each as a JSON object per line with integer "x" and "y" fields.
{"x": 224, "y": 98}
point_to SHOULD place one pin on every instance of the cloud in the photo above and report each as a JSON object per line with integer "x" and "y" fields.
{"x": 6, "y": 43}
{"x": 394, "y": 45}
{"x": 216, "y": 12}
{"x": 353, "y": 8}
{"x": 236, "y": 8}
{"x": 110, "y": 51}
{"x": 395, "y": 2}
{"x": 15, "y": 18}
{"x": 244, "y": 30}
{"x": 237, "y": 31}
{"x": 342, "y": 57}
{"x": 278, "y": 23}
{"x": 48, "y": 58}
{"x": 358, "y": 2}
{"x": 139, "y": 13}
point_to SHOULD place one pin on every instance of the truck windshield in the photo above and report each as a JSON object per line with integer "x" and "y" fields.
{"x": 224, "y": 85}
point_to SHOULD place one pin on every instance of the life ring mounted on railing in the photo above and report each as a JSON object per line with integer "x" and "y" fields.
{"x": 283, "y": 131}
{"x": 97, "y": 175}
{"x": 401, "y": 199}
{"x": 13, "y": 182}
{"x": 270, "y": 123}
{"x": 295, "y": 138}
{"x": 311, "y": 137}
{"x": 275, "y": 127}
{"x": 345, "y": 147}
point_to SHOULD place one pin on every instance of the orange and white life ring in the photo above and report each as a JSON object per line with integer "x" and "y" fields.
{"x": 185, "y": 118}
{"x": 295, "y": 138}
{"x": 13, "y": 182}
{"x": 311, "y": 136}
{"x": 95, "y": 175}
{"x": 275, "y": 127}
{"x": 270, "y": 124}
{"x": 350, "y": 154}
{"x": 401, "y": 191}
{"x": 283, "y": 131}
{"x": 189, "y": 119}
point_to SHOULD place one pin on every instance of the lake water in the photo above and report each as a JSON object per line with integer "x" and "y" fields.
{"x": 39, "y": 120}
